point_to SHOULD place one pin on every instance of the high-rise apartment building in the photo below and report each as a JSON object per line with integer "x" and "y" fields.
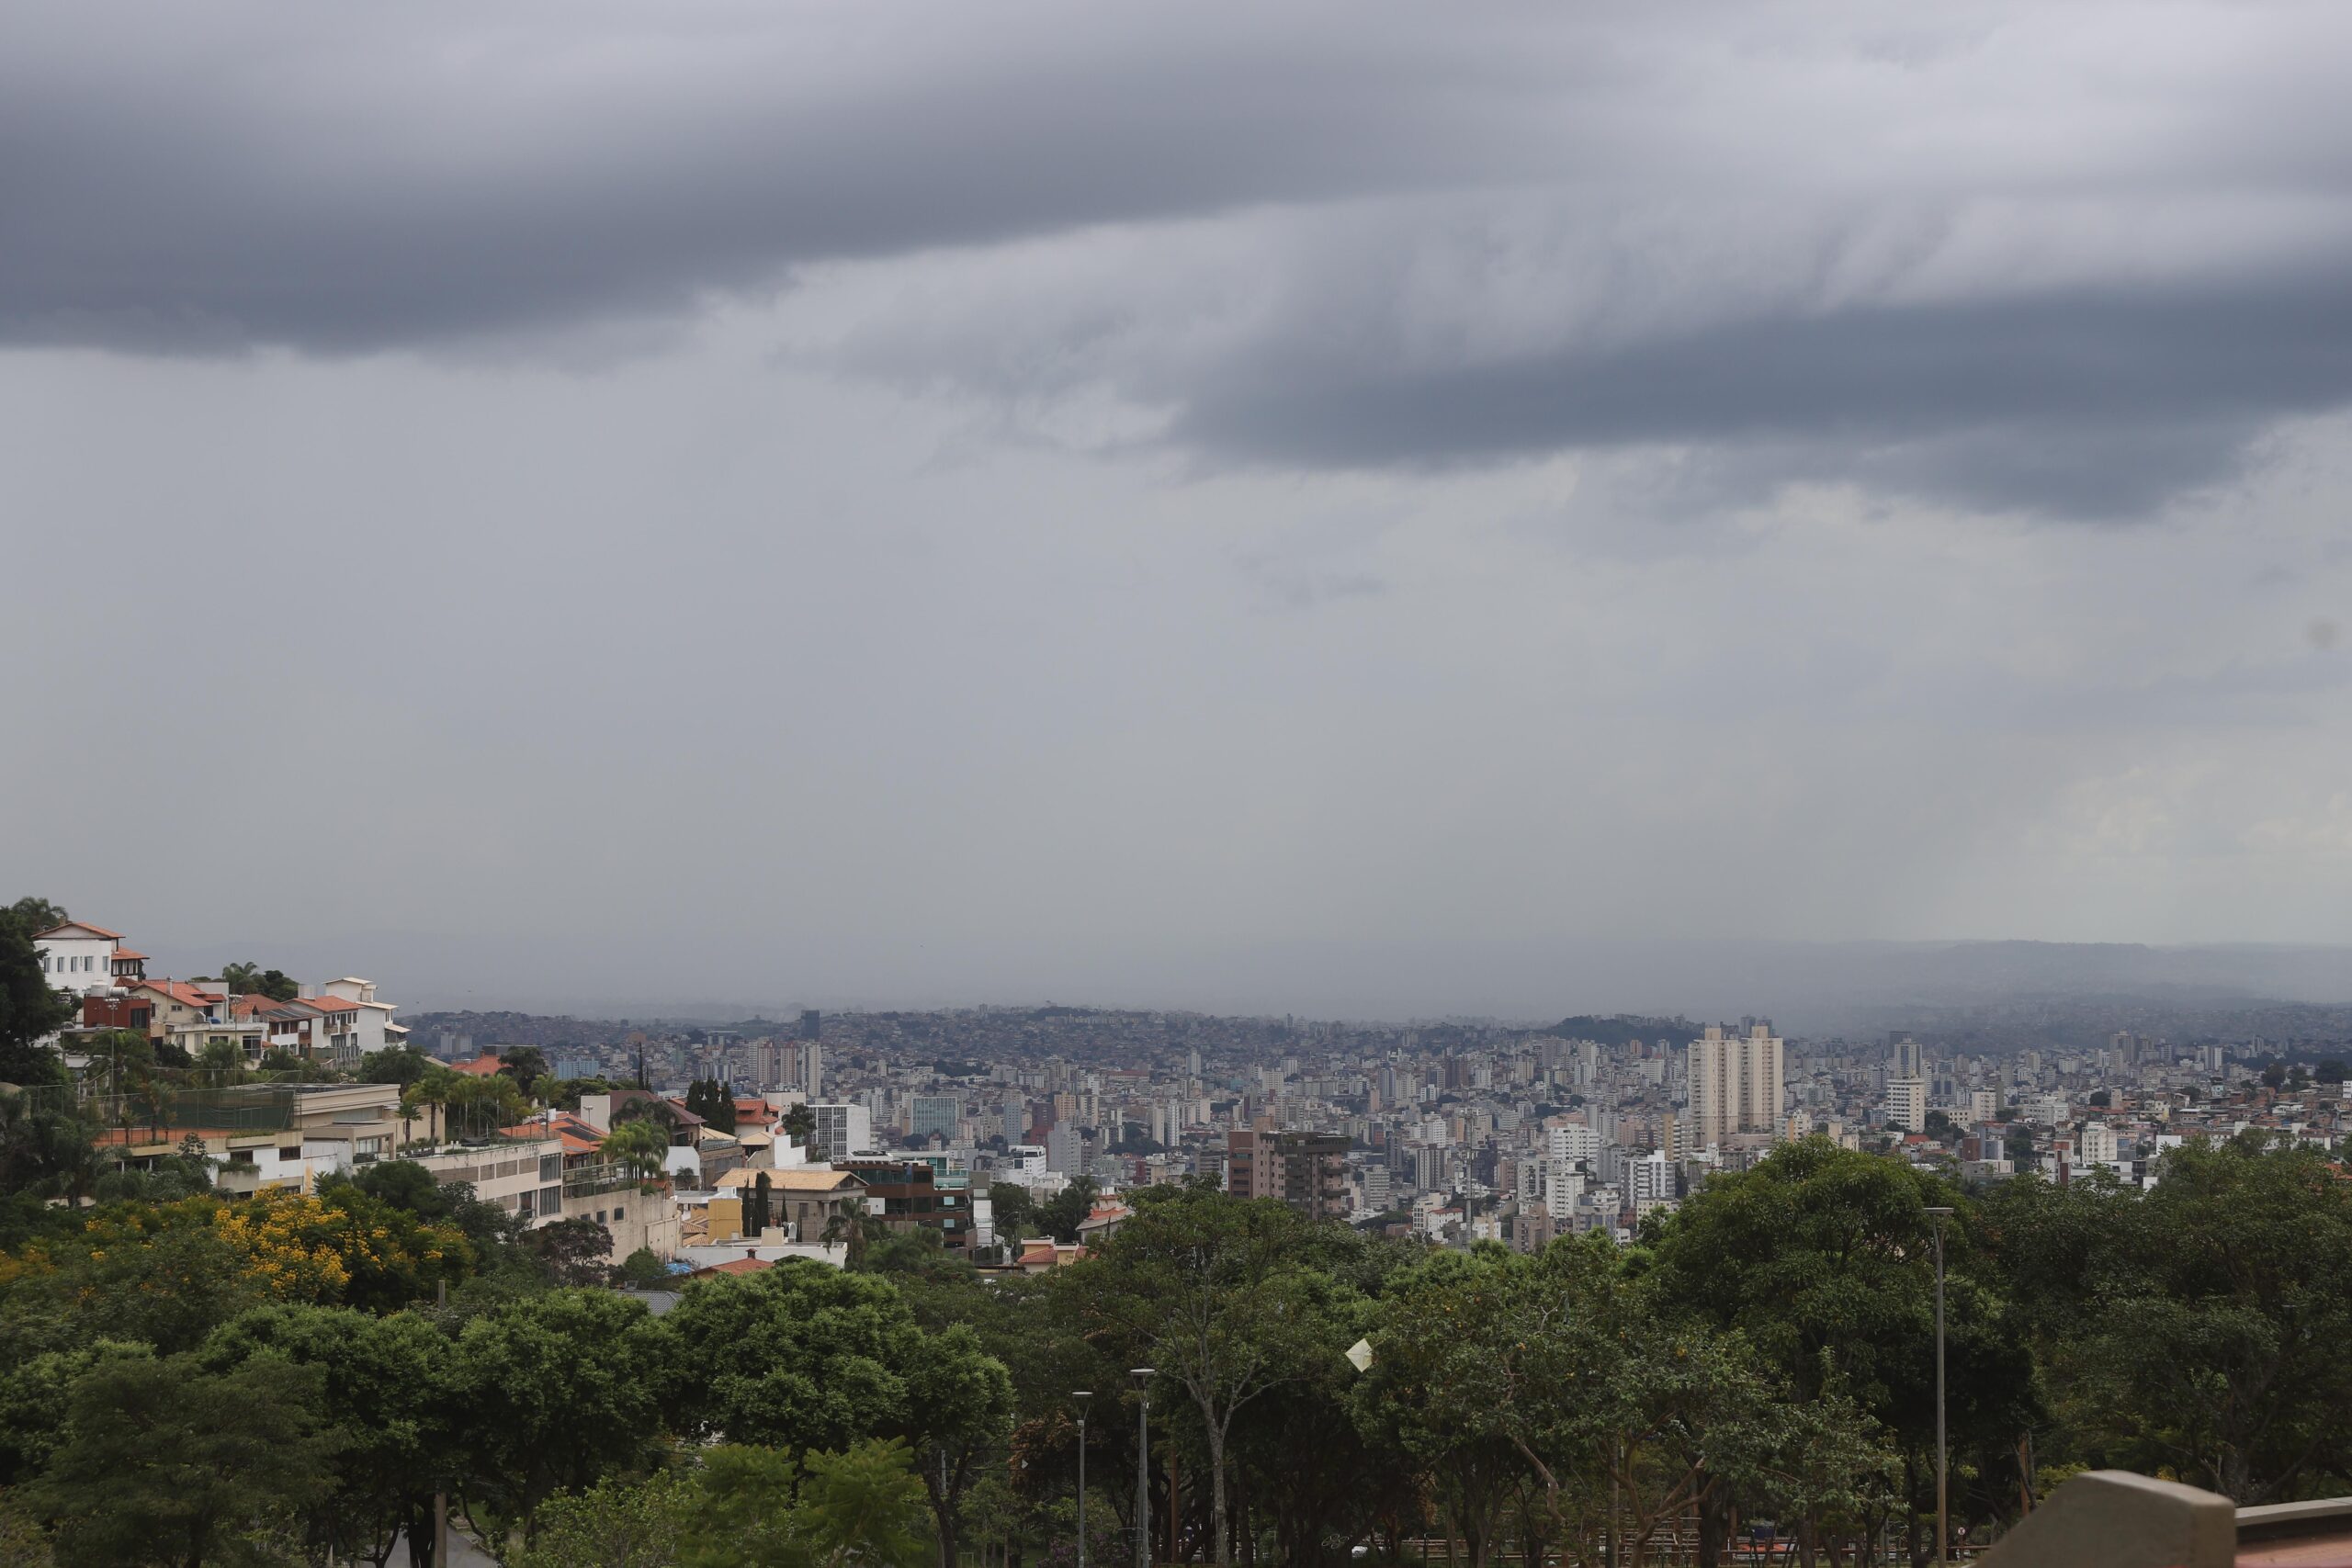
{"x": 839, "y": 1131}
{"x": 933, "y": 1116}
{"x": 1905, "y": 1059}
{"x": 1907, "y": 1104}
{"x": 1573, "y": 1141}
{"x": 1306, "y": 1170}
{"x": 1735, "y": 1085}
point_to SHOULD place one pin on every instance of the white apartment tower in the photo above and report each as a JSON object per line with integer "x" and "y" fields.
{"x": 1735, "y": 1083}
{"x": 1907, "y": 1104}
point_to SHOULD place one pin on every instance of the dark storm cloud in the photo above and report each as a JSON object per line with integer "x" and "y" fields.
{"x": 2085, "y": 403}
{"x": 2164, "y": 278}
{"x": 425, "y": 174}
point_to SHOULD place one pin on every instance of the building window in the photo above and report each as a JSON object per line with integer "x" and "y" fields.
{"x": 618, "y": 1213}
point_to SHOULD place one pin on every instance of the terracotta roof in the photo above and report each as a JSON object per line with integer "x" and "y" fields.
{"x": 734, "y": 1266}
{"x": 482, "y": 1066}
{"x": 127, "y": 952}
{"x": 790, "y": 1180}
{"x": 84, "y": 926}
{"x": 181, "y": 992}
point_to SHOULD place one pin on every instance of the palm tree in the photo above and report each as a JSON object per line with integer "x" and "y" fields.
{"x": 638, "y": 1146}
{"x": 852, "y": 1227}
{"x": 431, "y": 1091}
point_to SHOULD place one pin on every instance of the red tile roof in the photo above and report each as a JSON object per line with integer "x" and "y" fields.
{"x": 80, "y": 925}
{"x": 482, "y": 1066}
{"x": 734, "y": 1266}
{"x": 182, "y": 992}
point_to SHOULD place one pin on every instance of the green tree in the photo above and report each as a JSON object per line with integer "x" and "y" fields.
{"x": 524, "y": 1064}
{"x": 1210, "y": 1290}
{"x": 389, "y": 1417}
{"x": 220, "y": 1056}
{"x": 638, "y": 1146}
{"x": 33, "y": 1404}
{"x": 148, "y": 1473}
{"x": 617, "y": 1523}
{"x": 33, "y": 916}
{"x": 481, "y": 1107}
{"x": 802, "y": 1356}
{"x": 863, "y": 1507}
{"x": 560, "y": 1390}
{"x": 1824, "y": 1258}
{"x": 2197, "y": 1329}
{"x": 800, "y": 1124}
{"x": 46, "y": 1147}
{"x": 403, "y": 1065}
{"x": 253, "y": 980}
{"x": 1060, "y": 1215}
{"x": 641, "y": 1271}
{"x": 147, "y": 1275}
{"x": 743, "y": 1507}
{"x": 1014, "y": 1210}
{"x": 573, "y": 1251}
{"x": 713, "y": 1101}
{"x": 30, "y": 1008}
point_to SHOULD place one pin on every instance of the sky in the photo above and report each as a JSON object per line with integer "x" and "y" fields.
{"x": 1354, "y": 506}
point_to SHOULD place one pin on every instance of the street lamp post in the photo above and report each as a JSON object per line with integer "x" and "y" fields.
{"x": 1143, "y": 1464}
{"x": 1943, "y": 1469}
{"x": 1082, "y": 1395}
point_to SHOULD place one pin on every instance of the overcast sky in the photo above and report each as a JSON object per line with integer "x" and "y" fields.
{"x": 1215, "y": 504}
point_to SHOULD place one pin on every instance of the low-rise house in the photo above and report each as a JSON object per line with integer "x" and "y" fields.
{"x": 264, "y": 1134}
{"x": 803, "y": 1202}
{"x": 78, "y": 957}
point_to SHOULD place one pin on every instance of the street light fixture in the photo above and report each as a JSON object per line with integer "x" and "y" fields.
{"x": 1143, "y": 1464}
{"x": 1083, "y": 1396}
{"x": 1943, "y": 1469}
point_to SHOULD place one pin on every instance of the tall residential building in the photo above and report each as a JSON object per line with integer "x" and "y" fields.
{"x": 1306, "y": 1170}
{"x": 839, "y": 1131}
{"x": 1653, "y": 1178}
{"x": 935, "y": 1115}
{"x": 1573, "y": 1141}
{"x": 1735, "y": 1083}
{"x": 1909, "y": 1062}
{"x": 1907, "y": 1104}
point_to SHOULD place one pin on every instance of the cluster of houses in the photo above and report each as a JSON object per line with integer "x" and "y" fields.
{"x": 336, "y": 1023}
{"x": 732, "y": 1200}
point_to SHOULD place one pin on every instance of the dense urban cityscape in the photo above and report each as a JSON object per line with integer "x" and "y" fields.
{"x": 975, "y": 1160}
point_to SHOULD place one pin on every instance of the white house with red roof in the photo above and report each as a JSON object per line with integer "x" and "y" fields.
{"x": 79, "y": 957}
